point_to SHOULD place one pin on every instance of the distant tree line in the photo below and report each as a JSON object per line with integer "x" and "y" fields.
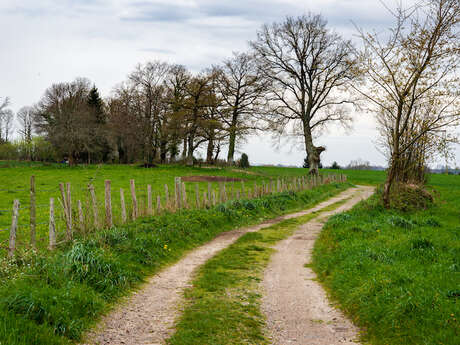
{"x": 297, "y": 79}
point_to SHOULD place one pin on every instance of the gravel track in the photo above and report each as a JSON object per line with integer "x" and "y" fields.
{"x": 294, "y": 303}
{"x": 147, "y": 316}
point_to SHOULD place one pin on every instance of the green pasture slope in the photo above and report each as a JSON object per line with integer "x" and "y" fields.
{"x": 15, "y": 184}
{"x": 397, "y": 275}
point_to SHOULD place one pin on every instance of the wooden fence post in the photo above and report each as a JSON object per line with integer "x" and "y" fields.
{"x": 177, "y": 191}
{"x": 209, "y": 192}
{"x": 197, "y": 195}
{"x": 81, "y": 218}
{"x": 158, "y": 204}
{"x": 94, "y": 205}
{"x": 33, "y": 213}
{"x": 14, "y": 227}
{"x": 214, "y": 201}
{"x": 134, "y": 199}
{"x": 123, "y": 205}
{"x": 149, "y": 200}
{"x": 166, "y": 196}
{"x": 69, "y": 210}
{"x": 108, "y": 205}
{"x": 205, "y": 199}
{"x": 52, "y": 226}
{"x": 184, "y": 196}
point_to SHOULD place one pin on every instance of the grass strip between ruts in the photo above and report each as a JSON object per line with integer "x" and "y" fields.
{"x": 223, "y": 306}
{"x": 54, "y": 298}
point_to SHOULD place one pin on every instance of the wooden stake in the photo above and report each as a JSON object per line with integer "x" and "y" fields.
{"x": 108, "y": 205}
{"x": 80, "y": 216}
{"x": 197, "y": 195}
{"x": 69, "y": 234}
{"x": 123, "y": 206}
{"x": 13, "y": 229}
{"x": 94, "y": 205}
{"x": 205, "y": 199}
{"x": 149, "y": 200}
{"x": 33, "y": 212}
{"x": 166, "y": 196}
{"x": 177, "y": 191}
{"x": 184, "y": 196}
{"x": 52, "y": 226}
{"x": 158, "y": 204}
{"x": 214, "y": 201}
{"x": 209, "y": 192}
{"x": 134, "y": 199}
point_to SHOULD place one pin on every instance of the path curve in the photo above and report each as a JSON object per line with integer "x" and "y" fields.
{"x": 296, "y": 306}
{"x": 147, "y": 317}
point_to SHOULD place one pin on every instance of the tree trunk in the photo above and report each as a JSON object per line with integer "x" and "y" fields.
{"x": 163, "y": 151}
{"x": 209, "y": 151}
{"x": 190, "y": 151}
{"x": 387, "y": 186}
{"x": 313, "y": 152}
{"x": 184, "y": 151}
{"x": 232, "y": 140}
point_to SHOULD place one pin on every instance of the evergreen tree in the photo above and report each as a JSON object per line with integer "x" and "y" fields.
{"x": 97, "y": 105}
{"x": 244, "y": 161}
{"x": 335, "y": 165}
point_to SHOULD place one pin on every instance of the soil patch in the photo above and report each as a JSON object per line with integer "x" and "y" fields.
{"x": 210, "y": 179}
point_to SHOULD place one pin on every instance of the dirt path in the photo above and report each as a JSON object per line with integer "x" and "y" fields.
{"x": 296, "y": 306}
{"x": 147, "y": 317}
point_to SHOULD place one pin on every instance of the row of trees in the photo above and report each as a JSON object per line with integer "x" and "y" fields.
{"x": 298, "y": 77}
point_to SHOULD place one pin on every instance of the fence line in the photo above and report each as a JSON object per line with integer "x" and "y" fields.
{"x": 85, "y": 217}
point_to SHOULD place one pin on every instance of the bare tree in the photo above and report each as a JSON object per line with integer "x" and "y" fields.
{"x": 25, "y": 118}
{"x": 149, "y": 80}
{"x": 412, "y": 84}
{"x": 65, "y": 119}
{"x": 199, "y": 99}
{"x": 308, "y": 68}
{"x": 242, "y": 91}
{"x": 174, "y": 124}
{"x": 6, "y": 120}
{"x": 124, "y": 107}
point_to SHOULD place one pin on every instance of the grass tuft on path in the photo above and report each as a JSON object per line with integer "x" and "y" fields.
{"x": 54, "y": 298}
{"x": 223, "y": 306}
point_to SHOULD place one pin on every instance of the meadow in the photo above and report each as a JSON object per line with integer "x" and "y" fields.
{"x": 54, "y": 297}
{"x": 15, "y": 184}
{"x": 397, "y": 274}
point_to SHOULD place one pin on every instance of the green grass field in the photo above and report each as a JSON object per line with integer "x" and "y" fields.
{"x": 396, "y": 274}
{"x": 54, "y": 298}
{"x": 15, "y": 184}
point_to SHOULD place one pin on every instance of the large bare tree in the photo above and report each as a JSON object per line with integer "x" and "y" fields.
{"x": 308, "y": 67}
{"x": 412, "y": 84}
{"x": 242, "y": 91}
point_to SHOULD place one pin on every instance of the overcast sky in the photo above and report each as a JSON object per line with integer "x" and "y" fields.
{"x": 48, "y": 41}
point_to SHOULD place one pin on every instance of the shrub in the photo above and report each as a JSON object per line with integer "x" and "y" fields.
{"x": 244, "y": 161}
